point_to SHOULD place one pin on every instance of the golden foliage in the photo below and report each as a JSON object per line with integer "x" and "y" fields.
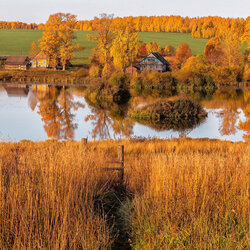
{"x": 153, "y": 47}
{"x": 57, "y": 40}
{"x": 169, "y": 50}
{"x": 199, "y": 27}
{"x": 34, "y": 50}
{"x": 183, "y": 52}
{"x": 125, "y": 46}
{"x": 103, "y": 36}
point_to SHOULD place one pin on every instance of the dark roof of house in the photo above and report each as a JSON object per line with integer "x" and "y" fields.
{"x": 16, "y": 60}
{"x": 159, "y": 57}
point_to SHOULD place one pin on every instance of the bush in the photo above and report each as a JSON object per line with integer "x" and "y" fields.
{"x": 228, "y": 75}
{"x": 177, "y": 110}
{"x": 94, "y": 71}
{"x": 136, "y": 84}
{"x": 81, "y": 72}
{"x": 157, "y": 80}
{"x": 119, "y": 80}
{"x": 5, "y": 76}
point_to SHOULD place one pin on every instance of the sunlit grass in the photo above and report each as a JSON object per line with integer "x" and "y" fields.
{"x": 186, "y": 194}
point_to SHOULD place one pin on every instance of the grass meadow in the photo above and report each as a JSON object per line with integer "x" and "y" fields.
{"x": 17, "y": 42}
{"x": 177, "y": 194}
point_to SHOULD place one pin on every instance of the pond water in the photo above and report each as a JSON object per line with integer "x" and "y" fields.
{"x": 40, "y": 112}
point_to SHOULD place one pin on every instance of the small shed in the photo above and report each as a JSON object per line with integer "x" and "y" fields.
{"x": 154, "y": 62}
{"x": 17, "y": 62}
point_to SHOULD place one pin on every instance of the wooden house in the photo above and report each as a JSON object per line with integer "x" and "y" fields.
{"x": 17, "y": 62}
{"x": 40, "y": 61}
{"x": 154, "y": 62}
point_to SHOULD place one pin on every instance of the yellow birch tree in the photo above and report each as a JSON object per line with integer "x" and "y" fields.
{"x": 125, "y": 46}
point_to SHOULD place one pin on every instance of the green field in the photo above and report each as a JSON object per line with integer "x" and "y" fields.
{"x": 17, "y": 42}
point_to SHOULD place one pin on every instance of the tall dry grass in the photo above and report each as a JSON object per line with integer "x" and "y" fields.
{"x": 47, "y": 197}
{"x": 186, "y": 194}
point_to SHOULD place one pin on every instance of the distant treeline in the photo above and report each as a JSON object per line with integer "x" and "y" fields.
{"x": 21, "y": 25}
{"x": 199, "y": 27}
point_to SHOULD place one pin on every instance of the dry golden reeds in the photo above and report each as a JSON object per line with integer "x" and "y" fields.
{"x": 186, "y": 194}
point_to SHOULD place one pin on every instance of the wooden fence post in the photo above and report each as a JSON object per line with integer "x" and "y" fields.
{"x": 84, "y": 141}
{"x": 121, "y": 160}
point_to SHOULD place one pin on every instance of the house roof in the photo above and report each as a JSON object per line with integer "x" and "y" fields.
{"x": 158, "y": 56}
{"x": 16, "y": 60}
{"x": 16, "y": 92}
{"x": 41, "y": 55}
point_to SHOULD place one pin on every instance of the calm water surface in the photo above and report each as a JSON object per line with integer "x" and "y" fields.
{"x": 38, "y": 113}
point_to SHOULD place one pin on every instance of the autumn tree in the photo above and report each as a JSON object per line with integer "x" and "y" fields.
{"x": 103, "y": 35}
{"x": 246, "y": 74}
{"x": 195, "y": 70}
{"x": 34, "y": 49}
{"x": 169, "y": 50}
{"x": 153, "y": 47}
{"x": 125, "y": 46}
{"x": 183, "y": 52}
{"x": 67, "y": 36}
{"x": 214, "y": 51}
{"x": 49, "y": 45}
{"x": 50, "y": 41}
{"x": 231, "y": 49}
{"x": 57, "y": 40}
{"x": 143, "y": 50}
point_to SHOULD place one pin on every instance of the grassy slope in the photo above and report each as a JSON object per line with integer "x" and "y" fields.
{"x": 175, "y": 39}
{"x": 186, "y": 194}
{"x": 17, "y": 42}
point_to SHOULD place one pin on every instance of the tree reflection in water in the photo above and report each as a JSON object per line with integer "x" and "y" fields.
{"x": 110, "y": 117}
{"x": 230, "y": 101}
{"x": 110, "y": 120}
{"x": 245, "y": 125}
{"x": 55, "y": 107}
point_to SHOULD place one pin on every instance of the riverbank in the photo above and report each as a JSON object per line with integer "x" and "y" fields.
{"x": 37, "y": 76}
{"x": 176, "y": 194}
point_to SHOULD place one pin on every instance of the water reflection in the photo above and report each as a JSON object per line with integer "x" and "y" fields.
{"x": 231, "y": 102}
{"x": 64, "y": 113}
{"x": 107, "y": 117}
{"x": 56, "y": 106}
